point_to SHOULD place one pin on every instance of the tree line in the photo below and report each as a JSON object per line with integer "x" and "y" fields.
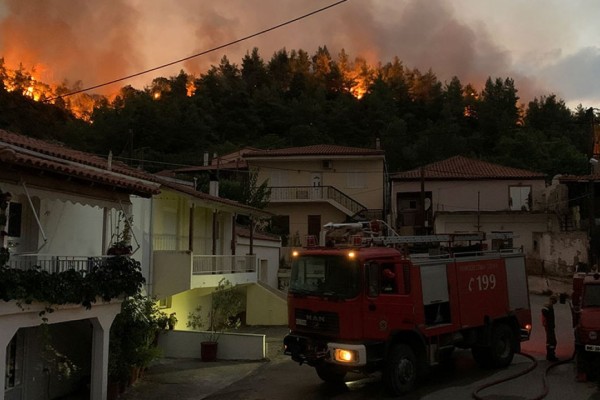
{"x": 297, "y": 99}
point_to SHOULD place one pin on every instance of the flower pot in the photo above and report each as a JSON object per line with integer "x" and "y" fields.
{"x": 208, "y": 351}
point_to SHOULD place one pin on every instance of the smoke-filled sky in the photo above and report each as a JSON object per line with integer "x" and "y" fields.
{"x": 546, "y": 46}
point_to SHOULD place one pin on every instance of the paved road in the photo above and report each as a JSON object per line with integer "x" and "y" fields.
{"x": 283, "y": 379}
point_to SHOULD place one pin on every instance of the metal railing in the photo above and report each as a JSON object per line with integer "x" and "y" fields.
{"x": 55, "y": 263}
{"x": 316, "y": 193}
{"x": 204, "y": 265}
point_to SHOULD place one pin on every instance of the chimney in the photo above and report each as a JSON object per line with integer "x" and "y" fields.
{"x": 377, "y": 144}
{"x": 205, "y": 163}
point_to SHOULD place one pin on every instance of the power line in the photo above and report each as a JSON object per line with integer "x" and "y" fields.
{"x": 201, "y": 53}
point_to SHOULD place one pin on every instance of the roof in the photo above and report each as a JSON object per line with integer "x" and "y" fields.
{"x": 243, "y": 231}
{"x": 316, "y": 150}
{"x": 463, "y": 168}
{"x": 29, "y": 153}
{"x": 595, "y": 177}
{"x": 232, "y": 161}
{"x": 231, "y": 204}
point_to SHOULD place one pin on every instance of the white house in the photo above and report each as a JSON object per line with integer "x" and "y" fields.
{"x": 58, "y": 211}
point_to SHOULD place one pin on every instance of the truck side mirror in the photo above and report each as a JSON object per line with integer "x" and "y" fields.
{"x": 372, "y": 279}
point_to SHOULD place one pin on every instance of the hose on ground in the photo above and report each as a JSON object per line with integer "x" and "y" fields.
{"x": 532, "y": 367}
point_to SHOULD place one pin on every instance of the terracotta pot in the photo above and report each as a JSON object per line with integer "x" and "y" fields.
{"x": 208, "y": 351}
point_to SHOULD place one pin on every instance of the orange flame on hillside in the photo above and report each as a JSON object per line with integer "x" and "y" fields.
{"x": 21, "y": 81}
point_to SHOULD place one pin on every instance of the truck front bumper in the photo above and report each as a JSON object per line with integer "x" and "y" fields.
{"x": 313, "y": 351}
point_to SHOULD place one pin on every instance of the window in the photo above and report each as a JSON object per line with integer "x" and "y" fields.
{"x": 519, "y": 198}
{"x": 14, "y": 358}
{"x": 356, "y": 180}
{"x": 277, "y": 178}
{"x": 165, "y": 302}
{"x": 15, "y": 211}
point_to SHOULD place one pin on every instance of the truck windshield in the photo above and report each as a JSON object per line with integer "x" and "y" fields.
{"x": 591, "y": 296}
{"x": 334, "y": 276}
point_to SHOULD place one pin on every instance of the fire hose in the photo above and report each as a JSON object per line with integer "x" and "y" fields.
{"x": 532, "y": 367}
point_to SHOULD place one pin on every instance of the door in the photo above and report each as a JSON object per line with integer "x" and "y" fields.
{"x": 316, "y": 183}
{"x": 314, "y": 225}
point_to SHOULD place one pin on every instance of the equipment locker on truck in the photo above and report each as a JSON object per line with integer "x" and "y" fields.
{"x": 363, "y": 303}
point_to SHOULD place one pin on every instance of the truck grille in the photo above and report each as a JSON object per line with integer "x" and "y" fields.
{"x": 322, "y": 322}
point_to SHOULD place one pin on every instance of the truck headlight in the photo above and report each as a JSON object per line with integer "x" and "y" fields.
{"x": 593, "y": 335}
{"x": 345, "y": 356}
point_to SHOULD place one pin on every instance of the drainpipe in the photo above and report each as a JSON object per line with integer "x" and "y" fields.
{"x": 191, "y": 229}
{"x": 214, "y": 233}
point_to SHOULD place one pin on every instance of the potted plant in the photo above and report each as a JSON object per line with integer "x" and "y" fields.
{"x": 172, "y": 321}
{"x": 222, "y": 316}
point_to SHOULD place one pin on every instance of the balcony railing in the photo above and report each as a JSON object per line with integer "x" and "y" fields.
{"x": 55, "y": 263}
{"x": 316, "y": 193}
{"x": 204, "y": 265}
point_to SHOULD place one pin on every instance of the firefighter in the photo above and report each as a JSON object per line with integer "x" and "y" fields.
{"x": 548, "y": 321}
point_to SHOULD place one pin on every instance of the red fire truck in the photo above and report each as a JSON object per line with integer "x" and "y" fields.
{"x": 586, "y": 320}
{"x": 361, "y": 302}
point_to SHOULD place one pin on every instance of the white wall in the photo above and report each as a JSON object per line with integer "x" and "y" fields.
{"x": 267, "y": 252}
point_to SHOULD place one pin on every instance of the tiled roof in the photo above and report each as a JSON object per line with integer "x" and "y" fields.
{"x": 34, "y": 154}
{"x": 243, "y": 231}
{"x": 595, "y": 177}
{"x": 315, "y": 150}
{"x": 463, "y": 168}
{"x": 243, "y": 209}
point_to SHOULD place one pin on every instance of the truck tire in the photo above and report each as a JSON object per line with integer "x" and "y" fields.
{"x": 400, "y": 371}
{"x": 501, "y": 350}
{"x": 330, "y": 373}
{"x": 502, "y": 347}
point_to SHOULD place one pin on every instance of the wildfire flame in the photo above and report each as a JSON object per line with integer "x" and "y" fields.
{"x": 22, "y": 81}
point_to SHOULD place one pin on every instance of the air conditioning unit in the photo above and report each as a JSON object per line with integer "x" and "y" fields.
{"x": 327, "y": 164}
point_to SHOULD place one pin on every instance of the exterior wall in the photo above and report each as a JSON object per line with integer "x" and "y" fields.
{"x": 561, "y": 252}
{"x": 522, "y": 225}
{"x": 264, "y": 307}
{"x": 491, "y": 195}
{"x": 370, "y": 172}
{"x": 232, "y": 346}
{"x": 267, "y": 254}
{"x": 298, "y": 213}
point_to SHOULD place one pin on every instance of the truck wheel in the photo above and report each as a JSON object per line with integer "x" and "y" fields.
{"x": 502, "y": 349}
{"x": 330, "y": 373}
{"x": 400, "y": 370}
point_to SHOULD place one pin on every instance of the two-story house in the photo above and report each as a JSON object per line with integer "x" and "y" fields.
{"x": 64, "y": 209}
{"x": 313, "y": 185}
{"x": 57, "y": 208}
{"x": 191, "y": 241}
{"x": 461, "y": 194}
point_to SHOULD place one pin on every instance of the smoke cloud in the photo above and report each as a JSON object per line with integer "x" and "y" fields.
{"x": 99, "y": 41}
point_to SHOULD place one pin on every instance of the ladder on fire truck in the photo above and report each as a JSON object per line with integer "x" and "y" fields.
{"x": 378, "y": 233}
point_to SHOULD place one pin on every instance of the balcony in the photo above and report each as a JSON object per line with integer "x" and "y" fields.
{"x": 329, "y": 194}
{"x": 179, "y": 271}
{"x": 55, "y": 263}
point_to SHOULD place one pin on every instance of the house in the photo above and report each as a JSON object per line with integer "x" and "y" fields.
{"x": 313, "y": 185}
{"x": 583, "y": 208}
{"x": 64, "y": 211}
{"x": 57, "y": 205}
{"x": 461, "y": 194}
{"x": 192, "y": 242}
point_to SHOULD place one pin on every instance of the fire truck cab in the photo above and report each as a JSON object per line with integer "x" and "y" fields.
{"x": 586, "y": 321}
{"x": 362, "y": 304}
